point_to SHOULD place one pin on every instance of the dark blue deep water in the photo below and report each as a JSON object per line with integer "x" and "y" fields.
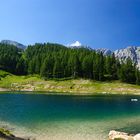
{"x": 69, "y": 117}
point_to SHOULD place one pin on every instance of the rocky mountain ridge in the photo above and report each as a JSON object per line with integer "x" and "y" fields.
{"x": 132, "y": 52}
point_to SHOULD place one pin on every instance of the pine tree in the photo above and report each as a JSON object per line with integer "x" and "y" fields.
{"x": 114, "y": 65}
{"x": 73, "y": 66}
{"x": 101, "y": 67}
{"x": 96, "y": 67}
{"x": 57, "y": 69}
{"x": 108, "y": 64}
{"x": 47, "y": 68}
{"x": 127, "y": 72}
{"x": 137, "y": 76}
{"x": 31, "y": 66}
{"x": 37, "y": 64}
{"x": 87, "y": 67}
{"x": 121, "y": 73}
{"x": 21, "y": 67}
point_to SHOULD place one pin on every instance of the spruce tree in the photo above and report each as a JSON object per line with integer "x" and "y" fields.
{"x": 101, "y": 67}
{"x": 96, "y": 62}
{"x": 21, "y": 67}
{"x": 47, "y": 68}
{"x": 127, "y": 71}
{"x": 87, "y": 67}
{"x": 57, "y": 69}
{"x": 137, "y": 76}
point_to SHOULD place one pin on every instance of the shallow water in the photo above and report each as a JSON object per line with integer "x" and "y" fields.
{"x": 54, "y": 117}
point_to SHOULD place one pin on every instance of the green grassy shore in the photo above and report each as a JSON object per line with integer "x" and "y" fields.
{"x": 9, "y": 82}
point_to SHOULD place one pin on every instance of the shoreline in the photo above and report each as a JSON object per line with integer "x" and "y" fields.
{"x": 7, "y": 135}
{"x": 116, "y": 135}
{"x": 71, "y": 87}
{"x": 8, "y": 91}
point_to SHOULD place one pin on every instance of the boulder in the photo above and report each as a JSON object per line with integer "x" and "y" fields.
{"x": 115, "y": 135}
{"x": 137, "y": 137}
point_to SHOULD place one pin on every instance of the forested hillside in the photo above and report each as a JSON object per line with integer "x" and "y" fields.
{"x": 57, "y": 61}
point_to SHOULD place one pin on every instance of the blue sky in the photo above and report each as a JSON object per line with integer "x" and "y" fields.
{"x": 109, "y": 24}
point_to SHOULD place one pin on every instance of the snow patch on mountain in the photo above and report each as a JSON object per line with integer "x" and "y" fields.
{"x": 76, "y": 44}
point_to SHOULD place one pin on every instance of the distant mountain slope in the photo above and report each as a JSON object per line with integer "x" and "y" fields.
{"x": 122, "y": 54}
{"x": 129, "y": 52}
{"x": 132, "y": 52}
{"x": 10, "y": 42}
{"x": 104, "y": 51}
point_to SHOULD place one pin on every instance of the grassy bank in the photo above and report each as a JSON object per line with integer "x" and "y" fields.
{"x": 35, "y": 83}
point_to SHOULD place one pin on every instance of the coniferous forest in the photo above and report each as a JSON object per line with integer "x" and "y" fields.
{"x": 53, "y": 61}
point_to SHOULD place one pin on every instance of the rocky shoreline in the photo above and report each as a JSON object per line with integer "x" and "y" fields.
{"x": 116, "y": 135}
{"x": 113, "y": 135}
{"x": 6, "y": 135}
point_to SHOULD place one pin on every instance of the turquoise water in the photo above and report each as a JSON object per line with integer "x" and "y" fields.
{"x": 54, "y": 117}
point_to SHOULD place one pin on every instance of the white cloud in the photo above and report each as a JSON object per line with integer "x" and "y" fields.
{"x": 75, "y": 44}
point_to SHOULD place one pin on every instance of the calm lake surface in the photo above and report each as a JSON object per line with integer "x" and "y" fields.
{"x": 57, "y": 117}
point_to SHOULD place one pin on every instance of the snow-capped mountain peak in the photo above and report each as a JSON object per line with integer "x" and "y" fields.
{"x": 76, "y": 44}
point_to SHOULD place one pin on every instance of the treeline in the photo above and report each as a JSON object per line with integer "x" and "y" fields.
{"x": 10, "y": 57}
{"x": 57, "y": 61}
